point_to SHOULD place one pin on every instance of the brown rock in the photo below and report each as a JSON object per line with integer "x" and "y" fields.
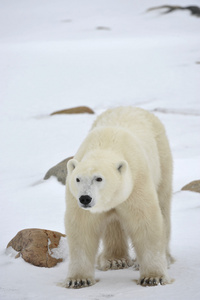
{"x": 74, "y": 110}
{"x": 193, "y": 186}
{"x": 35, "y": 246}
{"x": 59, "y": 171}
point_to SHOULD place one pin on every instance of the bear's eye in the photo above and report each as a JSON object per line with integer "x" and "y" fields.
{"x": 77, "y": 180}
{"x": 99, "y": 179}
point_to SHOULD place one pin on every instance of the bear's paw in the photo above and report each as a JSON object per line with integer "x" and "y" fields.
{"x": 114, "y": 264}
{"x": 136, "y": 265}
{"x": 78, "y": 283}
{"x": 153, "y": 281}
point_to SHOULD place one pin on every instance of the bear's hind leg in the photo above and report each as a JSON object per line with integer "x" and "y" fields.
{"x": 115, "y": 252}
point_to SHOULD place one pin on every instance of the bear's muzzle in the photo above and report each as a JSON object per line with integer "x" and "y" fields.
{"x": 85, "y": 201}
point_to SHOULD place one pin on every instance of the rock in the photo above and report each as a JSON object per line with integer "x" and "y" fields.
{"x": 59, "y": 171}
{"x": 102, "y": 28}
{"x": 36, "y": 246}
{"x": 74, "y": 110}
{"x": 193, "y": 186}
{"x": 194, "y": 10}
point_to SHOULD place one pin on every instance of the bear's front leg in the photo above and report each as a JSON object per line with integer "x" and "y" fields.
{"x": 82, "y": 263}
{"x": 78, "y": 277}
{"x": 153, "y": 269}
{"x": 83, "y": 243}
{"x": 150, "y": 251}
{"x": 148, "y": 237}
{"x": 80, "y": 270}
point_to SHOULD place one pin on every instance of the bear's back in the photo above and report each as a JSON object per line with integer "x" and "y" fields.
{"x": 138, "y": 121}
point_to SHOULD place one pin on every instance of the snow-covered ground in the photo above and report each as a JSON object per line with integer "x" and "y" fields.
{"x": 101, "y": 53}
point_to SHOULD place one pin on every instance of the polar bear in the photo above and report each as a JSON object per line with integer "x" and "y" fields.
{"x": 119, "y": 188}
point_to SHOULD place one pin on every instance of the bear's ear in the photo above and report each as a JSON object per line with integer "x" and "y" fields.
{"x": 122, "y": 166}
{"x": 71, "y": 165}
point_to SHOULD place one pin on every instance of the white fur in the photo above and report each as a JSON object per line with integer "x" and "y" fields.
{"x": 105, "y": 194}
{"x": 124, "y": 168}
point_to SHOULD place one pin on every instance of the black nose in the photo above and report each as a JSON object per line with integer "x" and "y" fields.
{"x": 85, "y": 199}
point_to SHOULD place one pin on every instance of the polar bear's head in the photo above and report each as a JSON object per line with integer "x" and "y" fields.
{"x": 99, "y": 185}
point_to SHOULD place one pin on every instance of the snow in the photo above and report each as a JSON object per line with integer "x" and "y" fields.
{"x": 52, "y": 56}
{"x": 61, "y": 250}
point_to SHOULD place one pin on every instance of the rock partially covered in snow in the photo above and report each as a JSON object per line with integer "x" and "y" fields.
{"x": 40, "y": 247}
{"x": 59, "y": 171}
{"x": 193, "y": 186}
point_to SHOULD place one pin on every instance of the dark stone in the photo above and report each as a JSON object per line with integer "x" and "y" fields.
{"x": 195, "y": 10}
{"x": 59, "y": 171}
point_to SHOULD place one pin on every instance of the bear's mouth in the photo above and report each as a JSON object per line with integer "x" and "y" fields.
{"x": 85, "y": 206}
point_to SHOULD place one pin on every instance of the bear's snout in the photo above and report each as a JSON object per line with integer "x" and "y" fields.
{"x": 85, "y": 200}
